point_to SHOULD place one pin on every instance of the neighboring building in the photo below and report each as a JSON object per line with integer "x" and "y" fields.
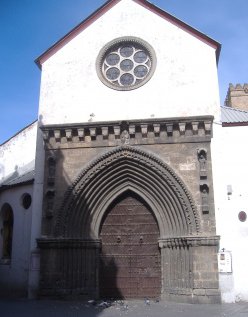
{"x": 230, "y": 172}
{"x": 123, "y": 196}
{"x": 17, "y": 157}
{"x": 237, "y": 97}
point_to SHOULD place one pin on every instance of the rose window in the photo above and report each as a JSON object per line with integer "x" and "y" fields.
{"x": 126, "y": 64}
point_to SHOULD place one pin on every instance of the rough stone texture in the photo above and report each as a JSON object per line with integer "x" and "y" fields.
{"x": 237, "y": 97}
{"x": 87, "y": 165}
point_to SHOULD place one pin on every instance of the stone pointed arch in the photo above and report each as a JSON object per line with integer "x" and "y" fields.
{"x": 121, "y": 169}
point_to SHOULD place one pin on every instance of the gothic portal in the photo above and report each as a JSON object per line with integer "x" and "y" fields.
{"x": 130, "y": 220}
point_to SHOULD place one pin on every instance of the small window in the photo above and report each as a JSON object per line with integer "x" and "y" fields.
{"x": 242, "y": 216}
{"x": 26, "y": 201}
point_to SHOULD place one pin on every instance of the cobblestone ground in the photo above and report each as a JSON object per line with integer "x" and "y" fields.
{"x": 45, "y": 308}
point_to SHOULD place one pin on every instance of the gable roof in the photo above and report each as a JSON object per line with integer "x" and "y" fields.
{"x": 107, "y": 6}
{"x": 233, "y": 117}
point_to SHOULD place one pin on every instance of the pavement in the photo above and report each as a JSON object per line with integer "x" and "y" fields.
{"x": 56, "y": 308}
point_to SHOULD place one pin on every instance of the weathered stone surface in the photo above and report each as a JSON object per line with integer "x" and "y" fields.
{"x": 159, "y": 160}
{"x": 237, "y": 97}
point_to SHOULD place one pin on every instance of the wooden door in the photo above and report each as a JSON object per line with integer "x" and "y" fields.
{"x": 130, "y": 259}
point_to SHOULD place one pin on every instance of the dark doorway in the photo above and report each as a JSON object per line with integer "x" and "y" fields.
{"x": 130, "y": 262}
{"x": 6, "y": 227}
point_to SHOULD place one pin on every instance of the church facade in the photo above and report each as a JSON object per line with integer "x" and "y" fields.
{"x": 123, "y": 197}
{"x": 128, "y": 198}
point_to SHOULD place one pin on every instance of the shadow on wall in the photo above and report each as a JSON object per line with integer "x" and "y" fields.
{"x": 108, "y": 273}
{"x": 72, "y": 263}
{"x": 124, "y": 262}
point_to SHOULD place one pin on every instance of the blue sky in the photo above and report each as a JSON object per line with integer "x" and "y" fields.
{"x": 29, "y": 27}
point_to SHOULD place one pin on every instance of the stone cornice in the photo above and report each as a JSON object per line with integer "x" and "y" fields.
{"x": 131, "y": 132}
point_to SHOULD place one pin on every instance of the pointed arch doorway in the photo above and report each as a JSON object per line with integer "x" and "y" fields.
{"x": 94, "y": 224}
{"x": 130, "y": 262}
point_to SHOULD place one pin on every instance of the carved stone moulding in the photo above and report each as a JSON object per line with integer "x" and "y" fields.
{"x": 193, "y": 241}
{"x": 86, "y": 200}
{"x": 68, "y": 243}
{"x": 114, "y": 133}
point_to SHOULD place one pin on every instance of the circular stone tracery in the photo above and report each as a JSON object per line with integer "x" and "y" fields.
{"x": 126, "y": 63}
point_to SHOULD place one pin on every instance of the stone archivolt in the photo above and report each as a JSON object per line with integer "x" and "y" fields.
{"x": 73, "y": 243}
{"x": 127, "y": 169}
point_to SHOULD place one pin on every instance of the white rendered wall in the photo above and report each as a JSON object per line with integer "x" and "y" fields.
{"x": 184, "y": 83}
{"x": 14, "y": 276}
{"x": 17, "y": 155}
{"x": 34, "y": 268}
{"x": 229, "y": 158}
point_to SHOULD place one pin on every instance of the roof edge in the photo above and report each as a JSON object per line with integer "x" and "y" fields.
{"x": 234, "y": 117}
{"x": 108, "y": 5}
{"x": 185, "y": 26}
{"x": 77, "y": 29}
{"x": 6, "y": 187}
{"x": 234, "y": 109}
{"x": 18, "y": 132}
{"x": 234, "y": 124}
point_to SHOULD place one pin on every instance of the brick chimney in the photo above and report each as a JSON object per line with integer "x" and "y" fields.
{"x": 237, "y": 97}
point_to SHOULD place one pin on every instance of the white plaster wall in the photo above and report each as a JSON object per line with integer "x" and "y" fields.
{"x": 17, "y": 156}
{"x": 184, "y": 83}
{"x": 34, "y": 268}
{"x": 229, "y": 157}
{"x": 14, "y": 276}
{"x": 18, "y": 153}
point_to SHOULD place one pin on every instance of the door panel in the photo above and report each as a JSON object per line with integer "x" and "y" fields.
{"x": 130, "y": 260}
